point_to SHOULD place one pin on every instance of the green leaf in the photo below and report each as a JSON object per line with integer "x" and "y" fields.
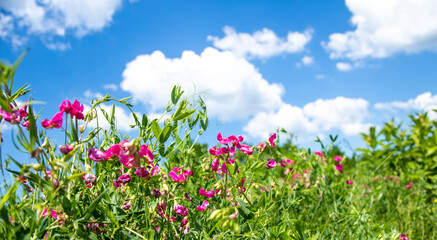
{"x": 165, "y": 134}
{"x": 184, "y": 114}
{"x": 156, "y": 129}
{"x": 93, "y": 206}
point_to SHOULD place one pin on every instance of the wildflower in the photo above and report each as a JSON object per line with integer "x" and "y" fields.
{"x": 349, "y": 182}
{"x": 114, "y": 150}
{"x": 337, "y": 159}
{"x": 215, "y": 164}
{"x": 187, "y": 230}
{"x": 52, "y": 213}
{"x": 284, "y": 163}
{"x": 246, "y": 149}
{"x": 75, "y": 109}
{"x": 202, "y": 207}
{"x": 319, "y": 153}
{"x": 65, "y": 149}
{"x": 271, "y": 139}
{"x": 270, "y": 164}
{"x": 339, "y": 167}
{"x": 16, "y": 115}
{"x": 142, "y": 173}
{"x": 25, "y": 124}
{"x": 187, "y": 196}
{"x": 410, "y": 185}
{"x": 178, "y": 178}
{"x": 96, "y": 155}
{"x": 403, "y": 237}
{"x": 181, "y": 210}
{"x": 55, "y": 122}
{"x": 90, "y": 179}
{"x": 126, "y": 206}
{"x": 156, "y": 193}
{"x": 208, "y": 194}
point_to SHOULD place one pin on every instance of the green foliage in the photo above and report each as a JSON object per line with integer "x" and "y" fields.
{"x": 102, "y": 184}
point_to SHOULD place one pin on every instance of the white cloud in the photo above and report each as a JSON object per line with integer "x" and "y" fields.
{"x": 342, "y": 113}
{"x": 261, "y": 44}
{"x": 344, "y": 67}
{"x": 307, "y": 60}
{"x": 58, "y": 46}
{"x": 112, "y": 87}
{"x": 55, "y": 17}
{"x": 233, "y": 88}
{"x": 384, "y": 28}
{"x": 92, "y": 95}
{"x": 425, "y": 102}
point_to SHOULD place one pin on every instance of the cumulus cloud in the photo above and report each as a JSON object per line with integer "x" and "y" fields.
{"x": 343, "y": 66}
{"x": 384, "y": 28}
{"x": 231, "y": 86}
{"x": 54, "y": 18}
{"x": 261, "y": 44}
{"x": 307, "y": 60}
{"x": 347, "y": 114}
{"x": 424, "y": 102}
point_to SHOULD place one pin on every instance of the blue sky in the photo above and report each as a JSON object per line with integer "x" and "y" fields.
{"x": 313, "y": 67}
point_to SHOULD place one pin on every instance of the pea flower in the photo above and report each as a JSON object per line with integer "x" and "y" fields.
{"x": 246, "y": 149}
{"x": 337, "y": 159}
{"x": 75, "y": 109}
{"x": 339, "y": 167}
{"x": 180, "y": 210}
{"x": 215, "y": 164}
{"x": 271, "y": 164}
{"x": 202, "y": 207}
{"x": 55, "y": 122}
{"x": 349, "y": 182}
{"x": 114, "y": 150}
{"x": 142, "y": 173}
{"x": 319, "y": 153}
{"x": 271, "y": 139}
{"x": 96, "y": 155}
{"x": 403, "y": 237}
{"x": 208, "y": 194}
{"x": 65, "y": 149}
{"x": 410, "y": 185}
{"x": 16, "y": 115}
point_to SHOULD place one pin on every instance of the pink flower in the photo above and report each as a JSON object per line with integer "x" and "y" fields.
{"x": 208, "y": 194}
{"x": 284, "y": 163}
{"x": 410, "y": 185}
{"x": 403, "y": 237}
{"x": 177, "y": 178}
{"x": 142, "y": 173}
{"x": 114, "y": 150}
{"x": 271, "y": 164}
{"x": 319, "y": 153}
{"x": 339, "y": 167}
{"x": 14, "y": 117}
{"x": 175, "y": 169}
{"x": 90, "y": 180}
{"x": 231, "y": 139}
{"x": 349, "y": 182}
{"x": 271, "y": 139}
{"x": 96, "y": 155}
{"x": 65, "y": 149}
{"x": 181, "y": 210}
{"x": 202, "y": 207}
{"x": 75, "y": 109}
{"x": 246, "y": 149}
{"x": 215, "y": 164}
{"x": 145, "y": 152}
{"x": 126, "y": 206}
{"x": 55, "y": 122}
{"x": 52, "y": 213}
{"x": 337, "y": 159}
{"x": 25, "y": 124}
{"x": 122, "y": 180}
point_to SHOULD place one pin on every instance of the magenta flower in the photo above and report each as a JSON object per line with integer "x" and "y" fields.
{"x": 339, "y": 167}
{"x": 114, "y": 150}
{"x": 145, "y": 152}
{"x": 175, "y": 169}
{"x": 284, "y": 163}
{"x": 126, "y": 206}
{"x": 75, "y": 109}
{"x": 125, "y": 178}
{"x": 65, "y": 149}
{"x": 177, "y": 178}
{"x": 319, "y": 153}
{"x": 202, "y": 207}
{"x": 349, "y": 182}
{"x": 271, "y": 164}
{"x": 271, "y": 139}
{"x": 96, "y": 155}
{"x": 338, "y": 159}
{"x": 403, "y": 237}
{"x": 142, "y": 173}
{"x": 208, "y": 194}
{"x": 52, "y": 213}
{"x": 410, "y": 185}
{"x": 246, "y": 149}
{"x": 181, "y": 210}
{"x": 25, "y": 124}
{"x": 16, "y": 116}
{"x": 215, "y": 164}
{"x": 90, "y": 180}
{"x": 55, "y": 122}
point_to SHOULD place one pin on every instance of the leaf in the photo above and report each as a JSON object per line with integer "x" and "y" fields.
{"x": 243, "y": 205}
{"x": 184, "y": 114}
{"x": 156, "y": 129}
{"x": 93, "y": 206}
{"x": 165, "y": 134}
